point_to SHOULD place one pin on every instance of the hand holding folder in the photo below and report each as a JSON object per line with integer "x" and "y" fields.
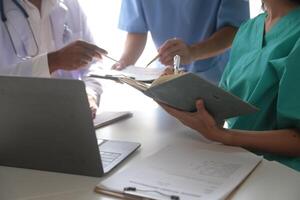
{"x": 182, "y": 90}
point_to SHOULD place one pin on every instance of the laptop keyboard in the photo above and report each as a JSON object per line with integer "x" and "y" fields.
{"x": 108, "y": 157}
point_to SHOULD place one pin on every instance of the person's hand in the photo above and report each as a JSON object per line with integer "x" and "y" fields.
{"x": 73, "y": 56}
{"x": 200, "y": 120}
{"x": 122, "y": 64}
{"x": 93, "y": 105}
{"x": 174, "y": 47}
{"x": 169, "y": 70}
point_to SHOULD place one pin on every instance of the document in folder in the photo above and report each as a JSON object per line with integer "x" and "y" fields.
{"x": 138, "y": 73}
{"x": 182, "y": 90}
{"x": 184, "y": 171}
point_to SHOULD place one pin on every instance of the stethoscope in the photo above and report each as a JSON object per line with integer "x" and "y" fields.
{"x": 4, "y": 20}
{"x": 66, "y": 35}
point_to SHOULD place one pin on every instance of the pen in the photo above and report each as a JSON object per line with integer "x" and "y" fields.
{"x": 176, "y": 64}
{"x": 157, "y": 56}
{"x": 134, "y": 189}
{"x": 110, "y": 77}
{"x": 105, "y": 55}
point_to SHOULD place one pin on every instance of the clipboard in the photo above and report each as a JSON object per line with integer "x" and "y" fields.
{"x": 146, "y": 75}
{"x": 184, "y": 170}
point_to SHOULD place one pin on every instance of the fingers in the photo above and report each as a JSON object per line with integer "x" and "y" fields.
{"x": 89, "y": 54}
{"x": 200, "y": 105}
{"x": 201, "y": 108}
{"x": 86, "y": 58}
{"x": 93, "y": 105}
{"x": 82, "y": 53}
{"x": 94, "y": 112}
{"x": 168, "y": 44}
{"x": 172, "y": 111}
{"x": 166, "y": 59}
{"x": 91, "y": 49}
{"x": 115, "y": 66}
{"x": 119, "y": 66}
{"x": 204, "y": 115}
{"x": 168, "y": 71}
{"x": 175, "y": 47}
{"x": 73, "y": 56}
{"x": 168, "y": 51}
{"x": 91, "y": 46}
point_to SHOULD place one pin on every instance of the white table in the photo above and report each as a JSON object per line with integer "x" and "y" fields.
{"x": 154, "y": 129}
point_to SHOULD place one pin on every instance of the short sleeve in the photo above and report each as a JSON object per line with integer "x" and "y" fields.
{"x": 233, "y": 13}
{"x": 288, "y": 102}
{"x": 132, "y": 18}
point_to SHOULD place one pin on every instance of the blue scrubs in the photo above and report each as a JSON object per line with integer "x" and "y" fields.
{"x": 189, "y": 20}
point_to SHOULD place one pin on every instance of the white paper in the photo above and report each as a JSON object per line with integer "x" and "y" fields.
{"x": 189, "y": 170}
{"x": 142, "y": 73}
{"x": 138, "y": 73}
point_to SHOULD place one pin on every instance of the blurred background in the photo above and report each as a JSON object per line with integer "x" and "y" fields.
{"x": 103, "y": 16}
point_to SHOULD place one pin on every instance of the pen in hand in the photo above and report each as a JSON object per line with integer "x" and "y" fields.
{"x": 151, "y": 61}
{"x": 116, "y": 61}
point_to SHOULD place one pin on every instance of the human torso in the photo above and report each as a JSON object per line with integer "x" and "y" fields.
{"x": 58, "y": 24}
{"x": 256, "y": 68}
{"x": 190, "y": 20}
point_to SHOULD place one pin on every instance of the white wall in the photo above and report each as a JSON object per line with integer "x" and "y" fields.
{"x": 255, "y": 7}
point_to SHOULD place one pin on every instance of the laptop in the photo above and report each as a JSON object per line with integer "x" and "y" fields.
{"x": 46, "y": 124}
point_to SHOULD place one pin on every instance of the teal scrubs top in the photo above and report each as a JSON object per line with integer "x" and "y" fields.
{"x": 190, "y": 20}
{"x": 264, "y": 70}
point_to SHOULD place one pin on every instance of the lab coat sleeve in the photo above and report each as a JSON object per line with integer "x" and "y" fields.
{"x": 132, "y": 17}
{"x": 93, "y": 86}
{"x": 233, "y": 13}
{"x": 34, "y": 67}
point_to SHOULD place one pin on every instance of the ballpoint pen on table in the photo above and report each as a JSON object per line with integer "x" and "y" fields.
{"x": 151, "y": 61}
{"x": 176, "y": 64}
{"x": 134, "y": 189}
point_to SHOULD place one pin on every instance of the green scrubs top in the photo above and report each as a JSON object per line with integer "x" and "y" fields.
{"x": 264, "y": 70}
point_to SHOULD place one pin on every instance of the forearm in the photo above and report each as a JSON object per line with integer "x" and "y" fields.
{"x": 34, "y": 67}
{"x": 284, "y": 142}
{"x": 214, "y": 45}
{"x": 93, "y": 88}
{"x": 134, "y": 47}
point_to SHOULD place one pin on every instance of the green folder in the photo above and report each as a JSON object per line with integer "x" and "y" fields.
{"x": 181, "y": 91}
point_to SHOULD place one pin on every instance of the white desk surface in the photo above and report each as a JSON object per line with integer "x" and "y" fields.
{"x": 154, "y": 129}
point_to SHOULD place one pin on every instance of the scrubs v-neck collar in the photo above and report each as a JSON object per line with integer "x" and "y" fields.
{"x": 277, "y": 28}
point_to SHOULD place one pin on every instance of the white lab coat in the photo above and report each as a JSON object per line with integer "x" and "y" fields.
{"x": 65, "y": 12}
